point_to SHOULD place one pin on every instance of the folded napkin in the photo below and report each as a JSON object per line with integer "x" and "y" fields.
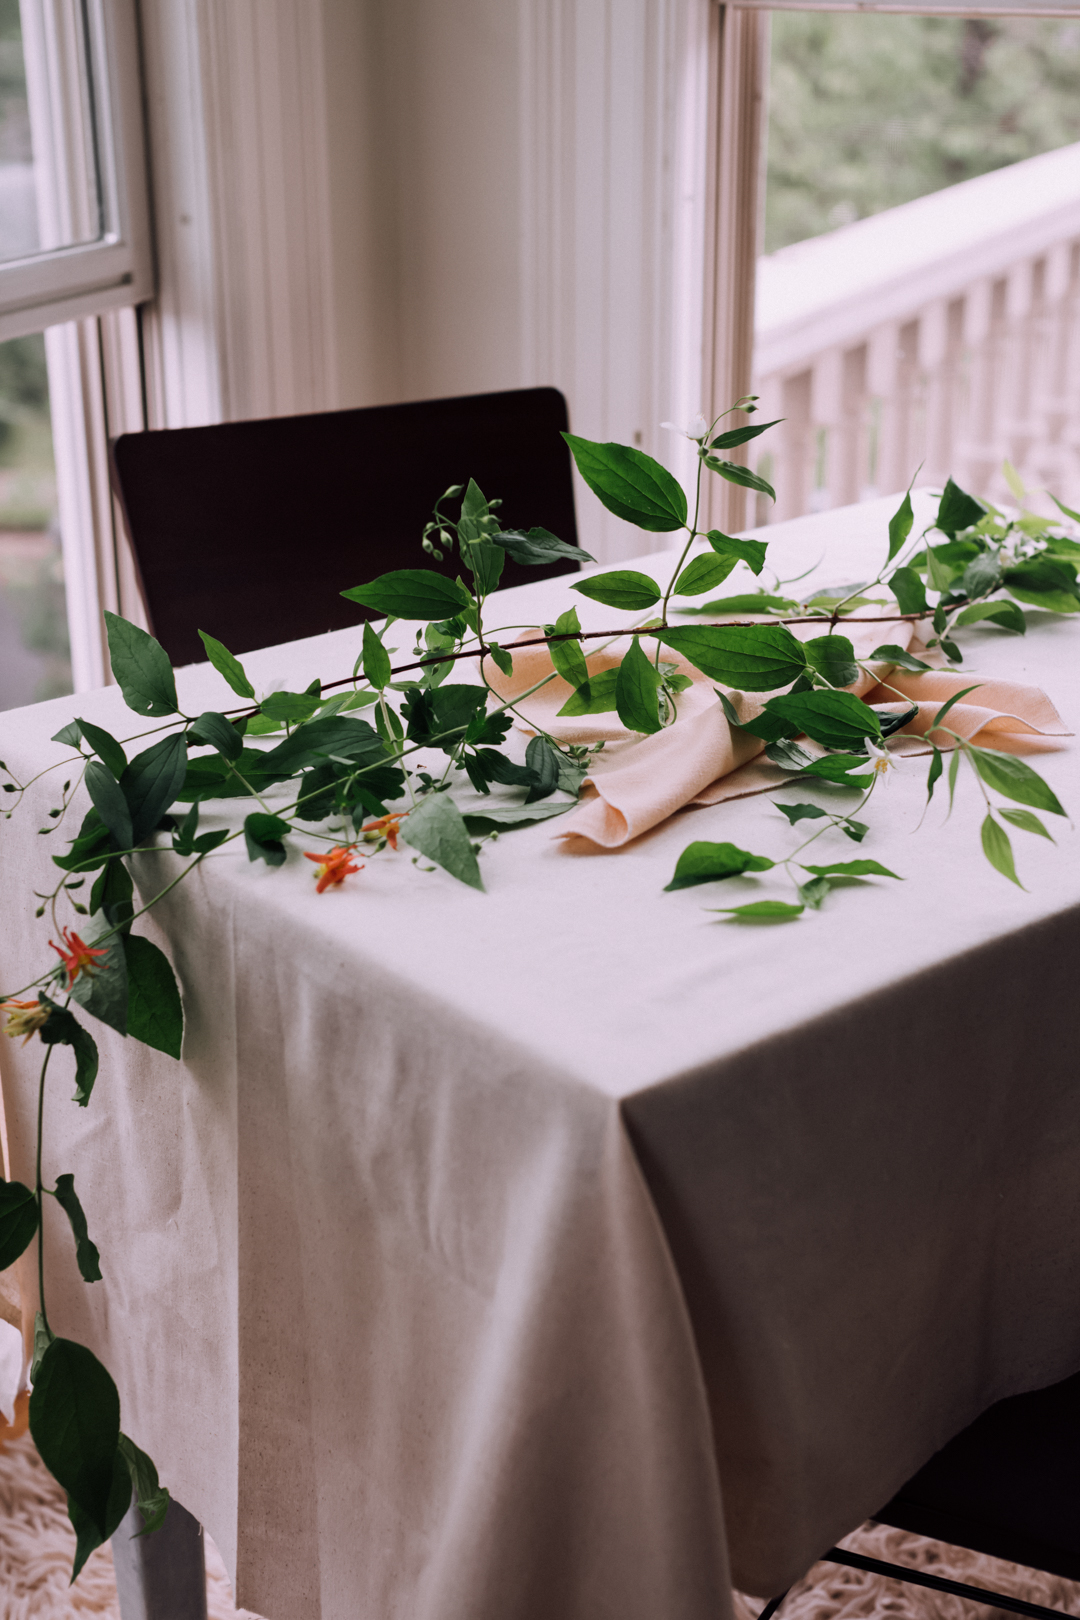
{"x": 637, "y": 782}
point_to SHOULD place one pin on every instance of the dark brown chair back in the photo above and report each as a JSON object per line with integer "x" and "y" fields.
{"x": 249, "y": 530}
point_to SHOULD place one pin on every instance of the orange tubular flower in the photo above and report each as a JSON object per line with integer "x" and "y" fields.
{"x": 334, "y": 866}
{"x": 76, "y": 957}
{"x": 385, "y": 827}
{"x": 24, "y": 1017}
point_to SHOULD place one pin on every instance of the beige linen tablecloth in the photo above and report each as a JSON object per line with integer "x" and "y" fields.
{"x": 565, "y": 1250}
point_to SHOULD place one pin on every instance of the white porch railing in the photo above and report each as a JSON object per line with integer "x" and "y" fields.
{"x": 945, "y": 331}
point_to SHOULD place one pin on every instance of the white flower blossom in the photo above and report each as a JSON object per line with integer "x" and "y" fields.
{"x": 880, "y": 760}
{"x": 695, "y": 430}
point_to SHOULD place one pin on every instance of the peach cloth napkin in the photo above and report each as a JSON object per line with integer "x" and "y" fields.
{"x": 637, "y": 782}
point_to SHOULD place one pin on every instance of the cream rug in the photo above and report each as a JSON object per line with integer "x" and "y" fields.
{"x": 36, "y": 1546}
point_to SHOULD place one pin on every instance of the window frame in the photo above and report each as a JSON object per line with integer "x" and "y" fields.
{"x": 63, "y": 284}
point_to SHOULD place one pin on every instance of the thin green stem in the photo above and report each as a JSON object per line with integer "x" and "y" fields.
{"x": 38, "y": 1189}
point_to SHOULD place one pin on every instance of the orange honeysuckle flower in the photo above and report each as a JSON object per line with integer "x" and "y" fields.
{"x": 24, "y": 1017}
{"x": 385, "y": 827}
{"x": 334, "y": 866}
{"x": 76, "y": 957}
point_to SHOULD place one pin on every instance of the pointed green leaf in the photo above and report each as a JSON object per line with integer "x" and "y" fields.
{"x": 703, "y": 862}
{"x": 69, "y": 735}
{"x": 87, "y": 1535}
{"x": 933, "y": 774}
{"x": 141, "y": 666}
{"x": 704, "y": 574}
{"x": 105, "y": 747}
{"x": 838, "y": 769}
{"x": 506, "y": 817}
{"x": 1007, "y": 614}
{"x": 437, "y": 830}
{"x": 567, "y": 656}
{"x": 954, "y": 766}
{"x": 909, "y": 590}
{"x": 18, "y": 1221}
{"x": 851, "y": 869}
{"x": 636, "y": 688}
{"x": 752, "y": 658}
{"x": 761, "y": 911}
{"x": 214, "y": 730}
{"x": 597, "y": 695}
{"x": 900, "y": 525}
{"x": 834, "y": 658}
{"x": 800, "y": 812}
{"x": 536, "y": 546}
{"x": 104, "y": 992}
{"x": 150, "y": 1495}
{"x": 740, "y": 435}
{"x": 63, "y": 1030}
{"x": 945, "y": 707}
{"x": 109, "y": 802}
{"x": 813, "y": 893}
{"x": 735, "y": 473}
{"x": 545, "y": 760}
{"x": 630, "y": 484}
{"x": 1068, "y": 511}
{"x": 376, "y": 659}
{"x": 897, "y": 655}
{"x": 412, "y": 593}
{"x": 153, "y": 781}
{"x": 225, "y": 664}
{"x": 1025, "y": 821}
{"x": 835, "y": 719}
{"x": 751, "y": 552}
{"x": 75, "y": 1422}
{"x": 624, "y": 588}
{"x": 998, "y": 850}
{"x": 1014, "y": 779}
{"x": 155, "y": 1012}
{"x": 86, "y": 1251}
{"x": 1045, "y": 582}
{"x": 501, "y": 658}
{"x": 957, "y": 511}
{"x": 290, "y": 707}
{"x": 262, "y": 835}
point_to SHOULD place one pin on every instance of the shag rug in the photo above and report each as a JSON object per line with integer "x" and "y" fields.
{"x": 37, "y": 1543}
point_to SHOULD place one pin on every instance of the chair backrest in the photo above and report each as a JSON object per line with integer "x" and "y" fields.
{"x": 250, "y": 530}
{"x": 1007, "y": 1485}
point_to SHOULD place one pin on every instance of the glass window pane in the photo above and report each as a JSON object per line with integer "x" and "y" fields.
{"x": 919, "y": 298}
{"x": 49, "y": 190}
{"x": 34, "y": 661}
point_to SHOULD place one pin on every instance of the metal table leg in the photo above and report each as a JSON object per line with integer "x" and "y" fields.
{"x": 161, "y": 1576}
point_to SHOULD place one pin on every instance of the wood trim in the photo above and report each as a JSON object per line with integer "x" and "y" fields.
{"x": 739, "y": 63}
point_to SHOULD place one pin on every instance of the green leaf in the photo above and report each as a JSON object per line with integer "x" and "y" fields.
{"x": 225, "y": 664}
{"x": 736, "y": 474}
{"x": 954, "y": 766}
{"x": 800, "y": 812}
{"x": 63, "y": 1030}
{"x": 501, "y": 658}
{"x": 835, "y": 719}
{"x": 412, "y": 593}
{"x": 1025, "y": 821}
{"x": 289, "y": 707}
{"x": 109, "y": 802}
{"x": 749, "y": 602}
{"x": 833, "y": 657}
{"x": 630, "y": 484}
{"x": 945, "y": 707}
{"x": 262, "y": 835}
{"x": 155, "y": 1013}
{"x": 998, "y": 850}
{"x": 1044, "y": 582}
{"x": 982, "y": 574}
{"x": 437, "y": 830}
{"x": 813, "y": 893}
{"x": 636, "y": 689}
{"x": 597, "y": 695}
{"x": 751, "y": 552}
{"x": 855, "y": 830}
{"x": 18, "y": 1221}
{"x": 87, "y": 1535}
{"x": 1007, "y": 614}
{"x": 762, "y": 911}
{"x": 703, "y": 862}
{"x": 1010, "y": 776}
{"x": 704, "y": 574}
{"x": 104, "y": 994}
{"x": 753, "y": 658}
{"x": 213, "y": 729}
{"x": 957, "y": 511}
{"x": 909, "y": 590}
{"x": 624, "y": 588}
{"x": 838, "y": 769}
{"x": 536, "y": 546}
{"x": 69, "y": 734}
{"x": 112, "y": 887}
{"x": 141, "y": 666}
{"x": 152, "y": 782}
{"x": 900, "y": 525}
{"x": 851, "y": 869}
{"x": 150, "y": 1495}
{"x": 105, "y": 746}
{"x": 376, "y": 659}
{"x": 1068, "y": 511}
{"x": 788, "y": 755}
{"x": 897, "y": 655}
{"x": 741, "y": 435}
{"x": 933, "y": 774}
{"x": 567, "y": 656}
{"x": 545, "y": 760}
{"x": 86, "y": 1251}
{"x": 75, "y": 1422}
{"x": 505, "y": 817}
{"x": 485, "y": 562}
